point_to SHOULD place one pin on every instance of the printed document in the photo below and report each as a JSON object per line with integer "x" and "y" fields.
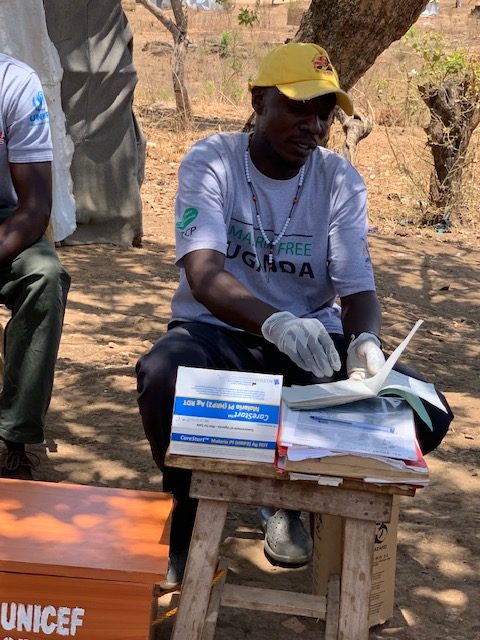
{"x": 375, "y": 427}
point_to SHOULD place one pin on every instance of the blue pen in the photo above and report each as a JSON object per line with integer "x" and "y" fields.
{"x": 363, "y": 425}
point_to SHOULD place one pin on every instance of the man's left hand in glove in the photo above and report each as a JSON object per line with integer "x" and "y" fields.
{"x": 364, "y": 356}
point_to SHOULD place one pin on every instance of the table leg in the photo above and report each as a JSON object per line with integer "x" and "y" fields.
{"x": 359, "y": 538}
{"x": 201, "y": 565}
{"x": 333, "y": 606}
{"x": 211, "y": 618}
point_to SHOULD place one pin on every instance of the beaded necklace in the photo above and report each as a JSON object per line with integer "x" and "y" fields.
{"x": 271, "y": 243}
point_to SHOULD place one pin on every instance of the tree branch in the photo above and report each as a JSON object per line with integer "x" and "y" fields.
{"x": 159, "y": 14}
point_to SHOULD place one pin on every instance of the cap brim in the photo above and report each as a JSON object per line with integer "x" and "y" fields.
{"x": 310, "y": 89}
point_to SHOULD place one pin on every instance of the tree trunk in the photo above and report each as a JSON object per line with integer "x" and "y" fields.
{"x": 355, "y": 129}
{"x": 179, "y": 31}
{"x": 182, "y": 100}
{"x": 454, "y": 116}
{"x": 356, "y": 32}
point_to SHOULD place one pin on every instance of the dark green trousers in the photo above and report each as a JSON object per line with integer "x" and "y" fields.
{"x": 34, "y": 287}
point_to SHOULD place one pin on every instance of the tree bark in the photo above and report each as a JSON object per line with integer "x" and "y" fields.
{"x": 160, "y": 15}
{"x": 182, "y": 99}
{"x": 356, "y": 32}
{"x": 179, "y": 31}
{"x": 454, "y": 116}
{"x": 355, "y": 129}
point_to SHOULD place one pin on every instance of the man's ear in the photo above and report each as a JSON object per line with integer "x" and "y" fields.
{"x": 258, "y": 99}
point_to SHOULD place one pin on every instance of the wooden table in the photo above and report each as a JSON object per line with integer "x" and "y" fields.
{"x": 216, "y": 483}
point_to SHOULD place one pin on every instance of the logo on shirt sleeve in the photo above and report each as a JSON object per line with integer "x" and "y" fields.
{"x": 189, "y": 216}
{"x": 40, "y": 112}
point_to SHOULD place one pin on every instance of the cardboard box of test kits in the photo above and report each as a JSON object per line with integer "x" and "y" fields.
{"x": 327, "y": 560}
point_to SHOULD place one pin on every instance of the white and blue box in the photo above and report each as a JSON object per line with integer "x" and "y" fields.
{"x": 226, "y": 414}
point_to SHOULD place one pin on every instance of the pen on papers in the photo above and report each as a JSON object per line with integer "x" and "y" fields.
{"x": 351, "y": 423}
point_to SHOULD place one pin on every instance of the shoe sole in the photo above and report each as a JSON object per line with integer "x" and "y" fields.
{"x": 169, "y": 586}
{"x": 286, "y": 560}
{"x": 283, "y": 560}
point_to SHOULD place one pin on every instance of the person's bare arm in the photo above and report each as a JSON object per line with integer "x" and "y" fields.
{"x": 222, "y": 294}
{"x": 33, "y": 185}
{"x": 361, "y": 312}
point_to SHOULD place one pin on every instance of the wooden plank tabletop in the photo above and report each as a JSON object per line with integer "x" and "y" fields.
{"x": 81, "y": 531}
{"x": 267, "y": 470}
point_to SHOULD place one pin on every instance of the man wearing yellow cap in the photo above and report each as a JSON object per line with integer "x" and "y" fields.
{"x": 271, "y": 229}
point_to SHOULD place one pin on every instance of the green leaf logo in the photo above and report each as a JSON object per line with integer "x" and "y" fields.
{"x": 189, "y": 216}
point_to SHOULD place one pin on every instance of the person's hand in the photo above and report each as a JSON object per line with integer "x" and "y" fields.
{"x": 364, "y": 356}
{"x": 305, "y": 341}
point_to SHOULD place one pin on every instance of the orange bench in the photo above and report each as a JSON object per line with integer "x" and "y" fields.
{"x": 79, "y": 561}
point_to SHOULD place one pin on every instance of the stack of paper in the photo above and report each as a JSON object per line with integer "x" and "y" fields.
{"x": 373, "y": 440}
{"x": 346, "y": 429}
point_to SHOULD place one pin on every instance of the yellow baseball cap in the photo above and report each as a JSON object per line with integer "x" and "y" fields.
{"x": 301, "y": 71}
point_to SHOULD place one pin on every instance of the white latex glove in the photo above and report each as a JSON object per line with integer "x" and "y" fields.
{"x": 364, "y": 356}
{"x": 305, "y": 341}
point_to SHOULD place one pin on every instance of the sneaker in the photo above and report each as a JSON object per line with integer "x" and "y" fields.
{"x": 175, "y": 571}
{"x": 16, "y": 463}
{"x": 286, "y": 540}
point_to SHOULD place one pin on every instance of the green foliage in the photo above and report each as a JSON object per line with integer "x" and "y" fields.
{"x": 236, "y": 65}
{"x": 438, "y": 61}
{"x": 225, "y": 41}
{"x": 227, "y": 85}
{"x": 229, "y": 42}
{"x": 235, "y": 92}
{"x": 226, "y": 4}
{"x": 247, "y": 17}
{"x": 209, "y": 88}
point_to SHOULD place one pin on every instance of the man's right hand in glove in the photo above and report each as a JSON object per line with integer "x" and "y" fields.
{"x": 305, "y": 341}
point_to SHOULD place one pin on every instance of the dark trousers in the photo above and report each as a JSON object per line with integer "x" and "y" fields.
{"x": 34, "y": 288}
{"x": 196, "y": 344}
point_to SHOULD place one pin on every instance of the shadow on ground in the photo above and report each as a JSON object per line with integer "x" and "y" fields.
{"x": 119, "y": 305}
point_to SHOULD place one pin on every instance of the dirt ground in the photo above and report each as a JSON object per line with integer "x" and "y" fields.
{"x": 119, "y": 305}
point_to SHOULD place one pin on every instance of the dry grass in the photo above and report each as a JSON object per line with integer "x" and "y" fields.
{"x": 214, "y": 76}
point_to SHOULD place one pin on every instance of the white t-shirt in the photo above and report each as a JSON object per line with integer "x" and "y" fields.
{"x": 24, "y": 126}
{"x": 323, "y": 253}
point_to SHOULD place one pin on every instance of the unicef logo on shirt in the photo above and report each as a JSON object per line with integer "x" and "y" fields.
{"x": 40, "y": 114}
{"x": 38, "y": 101}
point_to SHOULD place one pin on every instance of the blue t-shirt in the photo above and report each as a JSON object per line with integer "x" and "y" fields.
{"x": 24, "y": 126}
{"x": 322, "y": 254}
